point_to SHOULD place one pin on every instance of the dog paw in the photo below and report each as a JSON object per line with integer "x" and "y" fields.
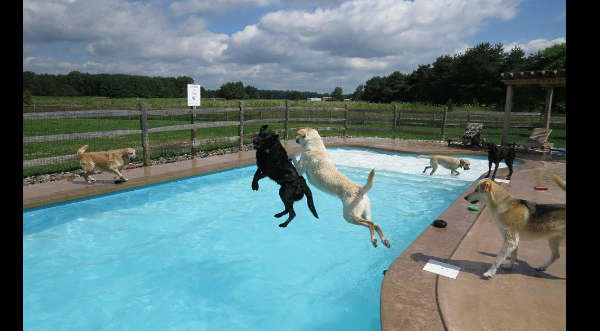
{"x": 489, "y": 274}
{"x": 283, "y": 225}
{"x": 374, "y": 243}
{"x": 387, "y": 243}
{"x": 540, "y": 269}
{"x": 255, "y": 186}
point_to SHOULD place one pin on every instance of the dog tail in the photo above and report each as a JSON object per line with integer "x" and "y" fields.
{"x": 363, "y": 190}
{"x": 81, "y": 150}
{"x": 309, "y": 198}
{"x": 562, "y": 183}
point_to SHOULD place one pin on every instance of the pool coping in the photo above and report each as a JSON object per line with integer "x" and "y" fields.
{"x": 410, "y": 297}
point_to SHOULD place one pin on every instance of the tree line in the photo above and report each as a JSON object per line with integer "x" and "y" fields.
{"x": 76, "y": 83}
{"x": 471, "y": 77}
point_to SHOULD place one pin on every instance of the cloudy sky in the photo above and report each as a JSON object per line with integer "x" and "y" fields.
{"x": 275, "y": 44}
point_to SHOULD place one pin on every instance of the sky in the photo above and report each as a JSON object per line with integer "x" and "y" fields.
{"x": 275, "y": 44}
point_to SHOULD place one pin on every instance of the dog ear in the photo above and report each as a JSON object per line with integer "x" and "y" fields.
{"x": 485, "y": 186}
{"x": 264, "y": 127}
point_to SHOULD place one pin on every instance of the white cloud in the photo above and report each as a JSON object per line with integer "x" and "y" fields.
{"x": 535, "y": 45}
{"x": 212, "y": 7}
{"x": 313, "y": 45}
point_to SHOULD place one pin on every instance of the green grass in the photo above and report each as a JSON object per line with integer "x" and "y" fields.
{"x": 68, "y": 126}
{"x": 43, "y": 103}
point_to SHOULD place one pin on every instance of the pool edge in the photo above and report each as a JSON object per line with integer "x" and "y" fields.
{"x": 425, "y": 314}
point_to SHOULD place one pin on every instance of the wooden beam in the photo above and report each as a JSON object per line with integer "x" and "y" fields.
{"x": 507, "y": 110}
{"x": 548, "y": 107}
{"x": 549, "y": 81}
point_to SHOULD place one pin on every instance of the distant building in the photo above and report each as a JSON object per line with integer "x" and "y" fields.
{"x": 327, "y": 98}
{"x": 313, "y": 99}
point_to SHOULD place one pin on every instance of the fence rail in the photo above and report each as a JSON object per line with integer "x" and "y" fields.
{"x": 391, "y": 120}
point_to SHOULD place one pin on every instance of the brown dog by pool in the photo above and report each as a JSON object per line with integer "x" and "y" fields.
{"x": 107, "y": 161}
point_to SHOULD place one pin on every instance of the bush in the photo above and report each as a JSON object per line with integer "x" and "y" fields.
{"x": 27, "y": 98}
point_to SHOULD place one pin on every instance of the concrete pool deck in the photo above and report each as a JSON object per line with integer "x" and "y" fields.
{"x": 411, "y": 298}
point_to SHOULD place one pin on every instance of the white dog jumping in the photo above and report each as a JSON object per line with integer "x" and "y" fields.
{"x": 322, "y": 173}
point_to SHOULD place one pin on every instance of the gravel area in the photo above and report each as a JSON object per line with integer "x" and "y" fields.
{"x": 138, "y": 163}
{"x": 201, "y": 154}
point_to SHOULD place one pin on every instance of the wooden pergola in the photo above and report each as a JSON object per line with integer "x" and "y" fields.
{"x": 548, "y": 79}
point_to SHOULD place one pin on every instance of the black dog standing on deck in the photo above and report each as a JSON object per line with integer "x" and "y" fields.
{"x": 273, "y": 162}
{"x": 498, "y": 153}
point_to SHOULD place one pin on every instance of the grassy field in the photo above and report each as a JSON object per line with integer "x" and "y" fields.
{"x": 43, "y": 103}
{"x": 67, "y": 126}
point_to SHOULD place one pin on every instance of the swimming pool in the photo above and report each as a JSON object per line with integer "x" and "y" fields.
{"x": 206, "y": 253}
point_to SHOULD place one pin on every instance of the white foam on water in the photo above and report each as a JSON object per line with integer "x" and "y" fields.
{"x": 408, "y": 163}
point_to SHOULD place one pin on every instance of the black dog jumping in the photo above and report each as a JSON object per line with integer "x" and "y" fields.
{"x": 273, "y": 162}
{"x": 498, "y": 153}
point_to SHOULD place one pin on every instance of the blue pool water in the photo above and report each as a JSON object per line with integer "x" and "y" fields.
{"x": 205, "y": 253}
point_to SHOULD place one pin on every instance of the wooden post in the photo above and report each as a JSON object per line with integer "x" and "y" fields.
{"x": 193, "y": 131}
{"x": 241, "y": 130}
{"x": 507, "y": 110}
{"x": 445, "y": 115}
{"x": 286, "y": 124}
{"x": 145, "y": 139}
{"x": 548, "y": 107}
{"x": 394, "y": 122}
{"x": 345, "y": 120}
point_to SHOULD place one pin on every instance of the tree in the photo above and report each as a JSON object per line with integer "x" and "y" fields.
{"x": 251, "y": 92}
{"x": 337, "y": 94}
{"x": 27, "y": 98}
{"x": 477, "y": 73}
{"x": 419, "y": 83}
{"x": 358, "y": 92}
{"x": 374, "y": 89}
{"x": 232, "y": 90}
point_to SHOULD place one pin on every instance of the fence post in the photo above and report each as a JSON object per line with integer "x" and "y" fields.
{"x": 444, "y": 122}
{"x": 193, "y": 131}
{"x": 241, "y": 130}
{"x": 345, "y": 120}
{"x": 287, "y": 119}
{"x": 145, "y": 139}
{"x": 394, "y": 122}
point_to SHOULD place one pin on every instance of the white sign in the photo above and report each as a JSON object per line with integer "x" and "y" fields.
{"x": 442, "y": 268}
{"x": 193, "y": 95}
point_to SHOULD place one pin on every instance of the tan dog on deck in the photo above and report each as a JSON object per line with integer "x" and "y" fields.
{"x": 109, "y": 161}
{"x": 446, "y": 162}
{"x": 518, "y": 218}
{"x": 322, "y": 173}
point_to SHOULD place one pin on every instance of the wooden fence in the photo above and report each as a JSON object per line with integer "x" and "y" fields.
{"x": 340, "y": 119}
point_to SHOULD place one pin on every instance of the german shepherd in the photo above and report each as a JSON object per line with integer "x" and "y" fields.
{"x": 518, "y": 218}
